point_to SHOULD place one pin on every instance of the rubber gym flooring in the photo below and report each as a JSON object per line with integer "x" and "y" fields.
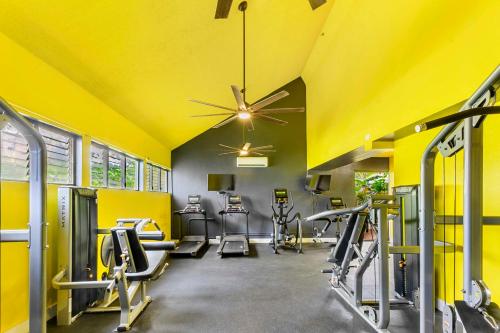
{"x": 263, "y": 292}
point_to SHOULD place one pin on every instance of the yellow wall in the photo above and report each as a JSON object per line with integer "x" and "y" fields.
{"x": 41, "y": 92}
{"x": 383, "y": 64}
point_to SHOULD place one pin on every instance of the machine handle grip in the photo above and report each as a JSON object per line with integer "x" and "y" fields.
{"x": 159, "y": 246}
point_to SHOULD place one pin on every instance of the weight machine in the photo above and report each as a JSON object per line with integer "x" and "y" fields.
{"x": 462, "y": 131}
{"x": 335, "y": 203}
{"x": 130, "y": 263}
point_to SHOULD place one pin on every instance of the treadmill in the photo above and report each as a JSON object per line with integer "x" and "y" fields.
{"x": 191, "y": 244}
{"x": 233, "y": 244}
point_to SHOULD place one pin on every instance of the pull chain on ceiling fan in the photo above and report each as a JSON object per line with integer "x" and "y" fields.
{"x": 244, "y": 111}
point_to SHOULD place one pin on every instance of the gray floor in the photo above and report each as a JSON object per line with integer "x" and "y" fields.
{"x": 260, "y": 293}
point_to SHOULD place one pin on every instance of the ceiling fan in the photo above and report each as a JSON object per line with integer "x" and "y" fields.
{"x": 224, "y": 6}
{"x": 244, "y": 110}
{"x": 246, "y": 150}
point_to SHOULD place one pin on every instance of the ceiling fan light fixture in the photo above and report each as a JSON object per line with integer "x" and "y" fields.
{"x": 244, "y": 115}
{"x": 243, "y": 152}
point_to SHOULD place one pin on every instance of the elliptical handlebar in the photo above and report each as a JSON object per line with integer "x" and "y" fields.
{"x": 290, "y": 206}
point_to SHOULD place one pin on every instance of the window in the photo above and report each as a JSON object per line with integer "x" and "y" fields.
{"x": 116, "y": 165}
{"x": 367, "y": 183}
{"x": 113, "y": 169}
{"x": 60, "y": 154}
{"x": 157, "y": 178}
{"x": 131, "y": 173}
{"x": 98, "y": 165}
{"x": 14, "y": 154}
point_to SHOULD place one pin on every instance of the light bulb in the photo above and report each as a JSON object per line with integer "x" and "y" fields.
{"x": 244, "y": 115}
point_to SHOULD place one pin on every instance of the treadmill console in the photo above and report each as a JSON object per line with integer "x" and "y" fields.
{"x": 337, "y": 203}
{"x": 281, "y": 196}
{"x": 193, "y": 205}
{"x": 234, "y": 204}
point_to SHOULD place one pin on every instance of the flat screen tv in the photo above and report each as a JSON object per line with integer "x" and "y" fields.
{"x": 318, "y": 183}
{"x": 323, "y": 183}
{"x": 220, "y": 182}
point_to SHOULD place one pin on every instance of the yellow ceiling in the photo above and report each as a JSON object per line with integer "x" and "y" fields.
{"x": 146, "y": 58}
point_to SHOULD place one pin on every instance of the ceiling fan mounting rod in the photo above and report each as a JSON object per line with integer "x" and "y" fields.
{"x": 243, "y": 7}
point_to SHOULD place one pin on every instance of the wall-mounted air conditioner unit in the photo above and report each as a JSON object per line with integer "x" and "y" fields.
{"x": 251, "y": 162}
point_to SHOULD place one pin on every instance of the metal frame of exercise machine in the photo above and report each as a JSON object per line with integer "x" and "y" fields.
{"x": 335, "y": 203}
{"x": 378, "y": 211}
{"x": 463, "y": 130}
{"x": 137, "y": 264}
{"x": 283, "y": 200}
{"x": 36, "y": 234}
{"x": 78, "y": 288}
{"x": 234, "y": 243}
{"x": 192, "y": 244}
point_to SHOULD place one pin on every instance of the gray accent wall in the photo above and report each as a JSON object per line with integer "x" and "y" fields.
{"x": 198, "y": 157}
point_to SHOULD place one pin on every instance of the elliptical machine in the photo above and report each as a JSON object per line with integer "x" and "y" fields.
{"x": 282, "y": 205}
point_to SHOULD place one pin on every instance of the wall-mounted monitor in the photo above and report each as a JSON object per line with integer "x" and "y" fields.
{"x": 318, "y": 183}
{"x": 220, "y": 182}
{"x": 324, "y": 183}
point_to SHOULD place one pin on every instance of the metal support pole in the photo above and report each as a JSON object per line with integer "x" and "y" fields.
{"x": 37, "y": 225}
{"x": 473, "y": 207}
{"x": 358, "y": 277}
{"x": 21, "y": 235}
{"x": 383, "y": 272}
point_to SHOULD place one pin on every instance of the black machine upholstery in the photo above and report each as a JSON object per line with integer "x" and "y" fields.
{"x": 136, "y": 251}
{"x": 157, "y": 263}
{"x": 343, "y": 244}
{"x": 148, "y": 257}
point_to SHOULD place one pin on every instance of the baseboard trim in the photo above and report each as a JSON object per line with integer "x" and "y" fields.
{"x": 216, "y": 241}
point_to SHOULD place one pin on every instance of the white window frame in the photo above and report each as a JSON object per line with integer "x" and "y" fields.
{"x": 106, "y": 150}
{"x": 150, "y": 178}
{"x": 73, "y": 149}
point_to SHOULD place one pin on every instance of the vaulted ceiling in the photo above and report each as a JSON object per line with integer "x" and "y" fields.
{"x": 147, "y": 58}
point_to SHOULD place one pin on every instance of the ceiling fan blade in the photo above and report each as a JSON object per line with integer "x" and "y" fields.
{"x": 222, "y": 10}
{"x": 281, "y": 110}
{"x": 229, "y": 152}
{"x": 229, "y": 147}
{"x": 246, "y": 146}
{"x": 272, "y": 119}
{"x": 239, "y": 98}
{"x": 264, "y": 147}
{"x": 256, "y": 153}
{"x": 316, "y": 3}
{"x": 214, "y": 105}
{"x": 264, "y": 151}
{"x": 269, "y": 100}
{"x": 211, "y": 114}
{"x": 224, "y": 122}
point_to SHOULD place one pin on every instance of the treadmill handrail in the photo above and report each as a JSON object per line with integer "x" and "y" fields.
{"x": 336, "y": 212}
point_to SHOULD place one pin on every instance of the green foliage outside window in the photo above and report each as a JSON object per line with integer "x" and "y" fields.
{"x": 369, "y": 183}
{"x": 130, "y": 173}
{"x": 97, "y": 176}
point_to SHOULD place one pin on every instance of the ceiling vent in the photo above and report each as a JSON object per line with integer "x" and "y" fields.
{"x": 251, "y": 162}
